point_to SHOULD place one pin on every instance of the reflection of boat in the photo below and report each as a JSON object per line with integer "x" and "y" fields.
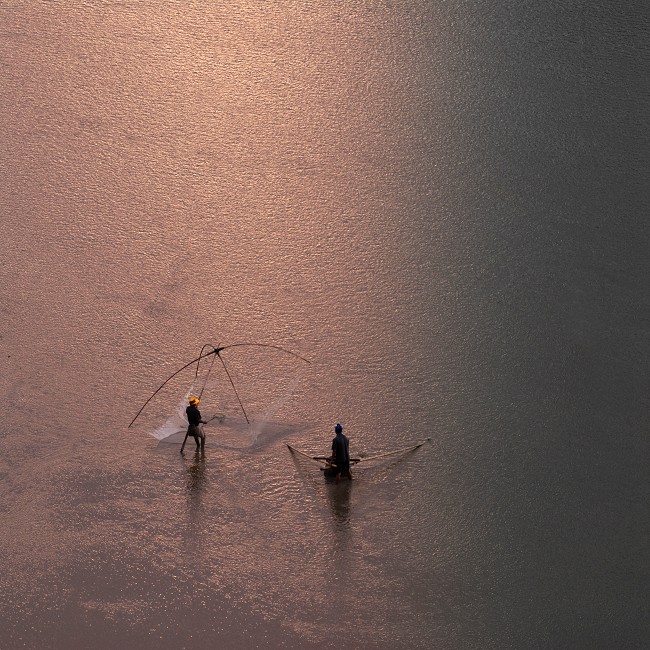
{"x": 328, "y": 466}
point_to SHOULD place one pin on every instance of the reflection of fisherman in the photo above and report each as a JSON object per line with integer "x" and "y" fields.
{"x": 341, "y": 454}
{"x": 194, "y": 428}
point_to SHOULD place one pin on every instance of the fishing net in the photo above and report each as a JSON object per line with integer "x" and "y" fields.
{"x": 266, "y": 395}
{"x": 225, "y": 428}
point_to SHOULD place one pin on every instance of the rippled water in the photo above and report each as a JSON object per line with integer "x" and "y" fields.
{"x": 442, "y": 206}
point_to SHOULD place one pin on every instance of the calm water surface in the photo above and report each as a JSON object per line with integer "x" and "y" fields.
{"x": 443, "y": 206}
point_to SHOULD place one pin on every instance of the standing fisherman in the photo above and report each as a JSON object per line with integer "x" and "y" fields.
{"x": 194, "y": 429}
{"x": 341, "y": 454}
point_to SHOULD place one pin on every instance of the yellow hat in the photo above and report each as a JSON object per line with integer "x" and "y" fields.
{"x": 194, "y": 401}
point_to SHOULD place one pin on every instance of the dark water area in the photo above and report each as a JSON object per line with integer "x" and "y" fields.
{"x": 442, "y": 206}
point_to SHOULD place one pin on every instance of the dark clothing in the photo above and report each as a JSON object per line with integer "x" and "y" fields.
{"x": 193, "y": 415}
{"x": 194, "y": 428}
{"x": 196, "y": 432}
{"x": 341, "y": 454}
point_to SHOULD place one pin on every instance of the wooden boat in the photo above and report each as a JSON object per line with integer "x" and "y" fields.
{"x": 329, "y": 469}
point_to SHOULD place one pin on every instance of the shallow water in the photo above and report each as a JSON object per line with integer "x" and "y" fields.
{"x": 442, "y": 207}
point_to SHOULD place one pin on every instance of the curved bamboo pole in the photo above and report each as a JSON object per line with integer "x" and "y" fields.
{"x": 216, "y": 351}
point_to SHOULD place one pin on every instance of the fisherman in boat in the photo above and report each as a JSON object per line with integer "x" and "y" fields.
{"x": 341, "y": 454}
{"x": 194, "y": 428}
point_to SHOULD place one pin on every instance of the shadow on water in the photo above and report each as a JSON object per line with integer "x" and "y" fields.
{"x": 195, "y": 483}
{"x": 342, "y": 526}
{"x": 338, "y": 497}
{"x": 196, "y": 474}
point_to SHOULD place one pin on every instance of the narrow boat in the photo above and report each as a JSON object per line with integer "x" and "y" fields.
{"x": 329, "y": 469}
{"x": 328, "y": 466}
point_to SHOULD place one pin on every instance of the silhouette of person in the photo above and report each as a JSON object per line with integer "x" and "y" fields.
{"x": 194, "y": 428}
{"x": 341, "y": 454}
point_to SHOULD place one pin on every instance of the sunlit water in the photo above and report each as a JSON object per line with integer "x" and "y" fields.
{"x": 442, "y": 206}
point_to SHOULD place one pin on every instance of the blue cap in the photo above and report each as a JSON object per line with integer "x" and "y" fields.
{"x": 338, "y": 428}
